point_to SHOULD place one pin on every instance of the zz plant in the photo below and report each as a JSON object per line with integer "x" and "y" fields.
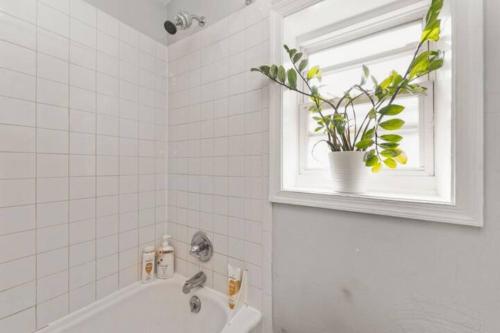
{"x": 369, "y": 134}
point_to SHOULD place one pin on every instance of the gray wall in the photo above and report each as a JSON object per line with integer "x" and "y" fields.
{"x": 340, "y": 272}
{"x": 147, "y": 16}
{"x": 213, "y": 10}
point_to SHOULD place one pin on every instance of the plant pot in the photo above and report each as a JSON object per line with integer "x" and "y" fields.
{"x": 348, "y": 171}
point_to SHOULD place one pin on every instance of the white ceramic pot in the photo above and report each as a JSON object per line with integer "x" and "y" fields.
{"x": 348, "y": 171}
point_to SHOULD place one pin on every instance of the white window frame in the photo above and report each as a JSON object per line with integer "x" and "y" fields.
{"x": 466, "y": 205}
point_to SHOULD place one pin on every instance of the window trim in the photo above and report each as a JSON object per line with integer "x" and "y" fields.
{"x": 467, "y": 148}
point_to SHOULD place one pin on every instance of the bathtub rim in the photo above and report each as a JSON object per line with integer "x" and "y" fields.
{"x": 244, "y": 320}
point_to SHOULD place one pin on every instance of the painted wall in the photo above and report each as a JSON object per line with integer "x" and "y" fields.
{"x": 146, "y": 16}
{"x": 344, "y": 272}
{"x": 82, "y": 136}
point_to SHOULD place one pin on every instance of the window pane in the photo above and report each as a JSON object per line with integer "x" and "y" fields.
{"x": 340, "y": 78}
{"x": 335, "y": 83}
{"x": 317, "y": 153}
{"x": 368, "y": 46}
{"x": 318, "y": 157}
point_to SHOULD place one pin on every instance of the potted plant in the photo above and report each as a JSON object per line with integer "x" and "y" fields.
{"x": 369, "y": 141}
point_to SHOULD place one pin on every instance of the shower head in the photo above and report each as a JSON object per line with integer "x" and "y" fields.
{"x": 170, "y": 27}
{"x": 183, "y": 20}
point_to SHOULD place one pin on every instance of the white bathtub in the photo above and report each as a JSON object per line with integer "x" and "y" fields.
{"x": 158, "y": 307}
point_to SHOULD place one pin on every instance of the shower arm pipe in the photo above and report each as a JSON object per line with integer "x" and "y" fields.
{"x": 199, "y": 19}
{"x": 184, "y": 20}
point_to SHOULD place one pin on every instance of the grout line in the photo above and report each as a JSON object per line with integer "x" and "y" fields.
{"x": 95, "y": 162}
{"x": 119, "y": 156}
{"x": 36, "y": 164}
{"x": 139, "y": 245}
{"x": 68, "y": 308}
{"x": 19, "y": 311}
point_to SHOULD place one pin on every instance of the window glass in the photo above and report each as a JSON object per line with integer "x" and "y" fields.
{"x": 382, "y": 52}
{"x": 367, "y": 46}
{"x": 318, "y": 157}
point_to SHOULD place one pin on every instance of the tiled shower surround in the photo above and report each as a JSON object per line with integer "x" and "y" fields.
{"x": 83, "y": 110}
{"x": 218, "y": 150}
{"x": 83, "y": 144}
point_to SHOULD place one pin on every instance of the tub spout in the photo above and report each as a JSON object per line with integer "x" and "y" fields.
{"x": 198, "y": 280}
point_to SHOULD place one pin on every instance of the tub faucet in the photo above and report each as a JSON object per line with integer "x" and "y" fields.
{"x": 198, "y": 280}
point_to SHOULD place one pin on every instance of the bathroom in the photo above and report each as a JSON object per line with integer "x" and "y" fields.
{"x": 195, "y": 166}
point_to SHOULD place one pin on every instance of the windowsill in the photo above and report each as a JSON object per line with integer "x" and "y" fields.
{"x": 373, "y": 195}
{"x": 426, "y": 208}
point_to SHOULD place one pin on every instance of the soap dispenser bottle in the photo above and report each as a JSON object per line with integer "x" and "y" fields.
{"x": 165, "y": 259}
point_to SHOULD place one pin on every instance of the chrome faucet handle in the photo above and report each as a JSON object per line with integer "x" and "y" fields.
{"x": 201, "y": 247}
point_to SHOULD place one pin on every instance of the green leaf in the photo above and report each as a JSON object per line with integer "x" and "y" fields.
{"x": 390, "y": 152}
{"x": 281, "y": 74}
{"x": 286, "y": 48}
{"x": 292, "y": 78}
{"x": 372, "y": 114}
{"x": 390, "y": 163}
{"x": 386, "y": 83}
{"x": 426, "y": 62}
{"x": 313, "y": 108}
{"x": 314, "y": 91}
{"x": 273, "y": 72}
{"x": 303, "y": 64}
{"x": 366, "y": 71}
{"x": 372, "y": 161}
{"x": 317, "y": 129}
{"x": 291, "y": 53}
{"x": 314, "y": 71}
{"x": 391, "y": 110}
{"x": 402, "y": 158}
{"x": 366, "y": 75}
{"x": 389, "y": 145}
{"x": 377, "y": 167}
{"x": 391, "y": 137}
{"x": 436, "y": 64}
{"x": 396, "y": 79}
{"x": 393, "y": 124}
{"x": 416, "y": 89}
{"x": 392, "y": 80}
{"x": 431, "y": 32}
{"x": 369, "y": 134}
{"x": 434, "y": 11}
{"x": 297, "y": 57}
{"x": 340, "y": 122}
{"x": 264, "y": 69}
{"x": 363, "y": 144}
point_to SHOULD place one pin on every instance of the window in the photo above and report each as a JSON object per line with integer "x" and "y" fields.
{"x": 381, "y": 52}
{"x": 383, "y": 34}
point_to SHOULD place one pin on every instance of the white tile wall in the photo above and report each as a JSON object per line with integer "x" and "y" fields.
{"x": 218, "y": 150}
{"x": 83, "y": 103}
